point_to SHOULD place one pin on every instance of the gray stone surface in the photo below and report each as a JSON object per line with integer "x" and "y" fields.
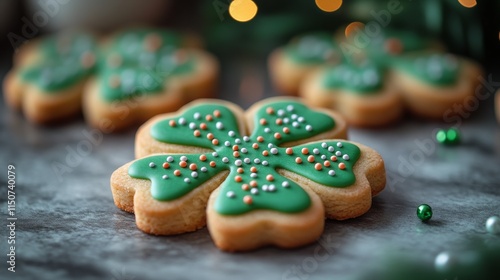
{"x": 69, "y": 228}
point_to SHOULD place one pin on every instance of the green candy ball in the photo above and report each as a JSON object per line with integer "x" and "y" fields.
{"x": 448, "y": 137}
{"x": 424, "y": 212}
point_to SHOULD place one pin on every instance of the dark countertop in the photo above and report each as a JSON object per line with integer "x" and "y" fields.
{"x": 69, "y": 228}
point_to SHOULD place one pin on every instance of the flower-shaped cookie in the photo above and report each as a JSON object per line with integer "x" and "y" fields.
{"x": 264, "y": 177}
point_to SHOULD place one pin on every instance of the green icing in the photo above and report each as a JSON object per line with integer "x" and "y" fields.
{"x": 60, "y": 65}
{"x": 264, "y": 185}
{"x": 363, "y": 80}
{"x": 435, "y": 69}
{"x": 410, "y": 41}
{"x": 314, "y": 48}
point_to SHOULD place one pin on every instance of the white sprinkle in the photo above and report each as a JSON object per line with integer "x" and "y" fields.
{"x": 215, "y": 154}
{"x": 197, "y": 116}
{"x": 192, "y": 125}
{"x": 257, "y": 161}
{"x": 346, "y": 157}
{"x": 194, "y": 174}
{"x": 339, "y": 144}
{"x": 231, "y": 133}
{"x": 247, "y": 160}
{"x": 301, "y": 119}
{"x": 246, "y": 138}
{"x": 182, "y": 121}
{"x": 203, "y": 169}
{"x": 309, "y": 127}
{"x": 187, "y": 180}
{"x": 285, "y": 184}
{"x": 295, "y": 124}
{"x": 338, "y": 153}
{"x": 294, "y": 116}
{"x": 286, "y": 120}
{"x": 331, "y": 173}
{"x": 323, "y": 157}
{"x": 170, "y": 158}
{"x": 274, "y": 151}
{"x": 267, "y": 130}
{"x": 164, "y": 177}
{"x": 227, "y": 143}
{"x": 315, "y": 151}
{"x": 253, "y": 175}
{"x": 265, "y": 163}
{"x": 264, "y": 188}
{"x": 225, "y": 160}
{"x": 244, "y": 150}
{"x": 272, "y": 188}
{"x": 237, "y": 141}
{"x": 270, "y": 145}
{"x": 219, "y": 125}
{"x": 238, "y": 162}
{"x": 281, "y": 112}
{"x": 230, "y": 194}
{"x": 183, "y": 158}
{"x": 289, "y": 108}
{"x": 331, "y": 149}
{"x": 324, "y": 145}
{"x": 152, "y": 164}
{"x": 254, "y": 191}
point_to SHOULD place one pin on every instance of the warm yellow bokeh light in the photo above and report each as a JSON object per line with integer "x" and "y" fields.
{"x": 467, "y": 3}
{"x": 329, "y": 5}
{"x": 353, "y": 27}
{"x": 243, "y": 10}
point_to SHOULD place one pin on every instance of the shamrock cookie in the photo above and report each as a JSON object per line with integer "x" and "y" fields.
{"x": 145, "y": 72}
{"x": 48, "y": 77}
{"x": 267, "y": 176}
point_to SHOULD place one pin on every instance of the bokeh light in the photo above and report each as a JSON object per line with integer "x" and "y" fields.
{"x": 243, "y": 10}
{"x": 353, "y": 27}
{"x": 329, "y": 5}
{"x": 468, "y": 3}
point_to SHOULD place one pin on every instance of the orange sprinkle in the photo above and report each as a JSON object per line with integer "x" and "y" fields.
{"x": 203, "y": 126}
{"x": 171, "y": 123}
{"x": 210, "y": 136}
{"x": 318, "y": 166}
{"x": 289, "y": 151}
{"x": 197, "y": 133}
{"x": 326, "y": 163}
{"x": 277, "y": 135}
{"x": 215, "y": 142}
{"x": 247, "y": 199}
{"x": 342, "y": 165}
{"x": 236, "y": 154}
{"x": 238, "y": 179}
{"x": 183, "y": 164}
{"x": 253, "y": 183}
{"x": 166, "y": 165}
{"x": 235, "y": 147}
{"x": 393, "y": 46}
{"x": 263, "y": 121}
{"x": 245, "y": 187}
{"x": 255, "y": 146}
{"x": 217, "y": 113}
{"x": 203, "y": 157}
{"x": 209, "y": 118}
{"x": 193, "y": 166}
{"x": 279, "y": 121}
{"x": 253, "y": 169}
{"x": 212, "y": 164}
{"x": 310, "y": 158}
{"x": 270, "y": 177}
{"x": 239, "y": 170}
{"x": 265, "y": 153}
{"x": 260, "y": 139}
{"x": 333, "y": 158}
{"x": 298, "y": 160}
{"x": 270, "y": 110}
{"x": 177, "y": 172}
{"x": 305, "y": 151}
{"x": 286, "y": 130}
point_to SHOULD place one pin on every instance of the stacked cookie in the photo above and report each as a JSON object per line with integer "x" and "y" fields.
{"x": 371, "y": 83}
{"x": 117, "y": 81}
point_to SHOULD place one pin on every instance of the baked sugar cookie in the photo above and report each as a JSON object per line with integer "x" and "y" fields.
{"x": 265, "y": 177}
